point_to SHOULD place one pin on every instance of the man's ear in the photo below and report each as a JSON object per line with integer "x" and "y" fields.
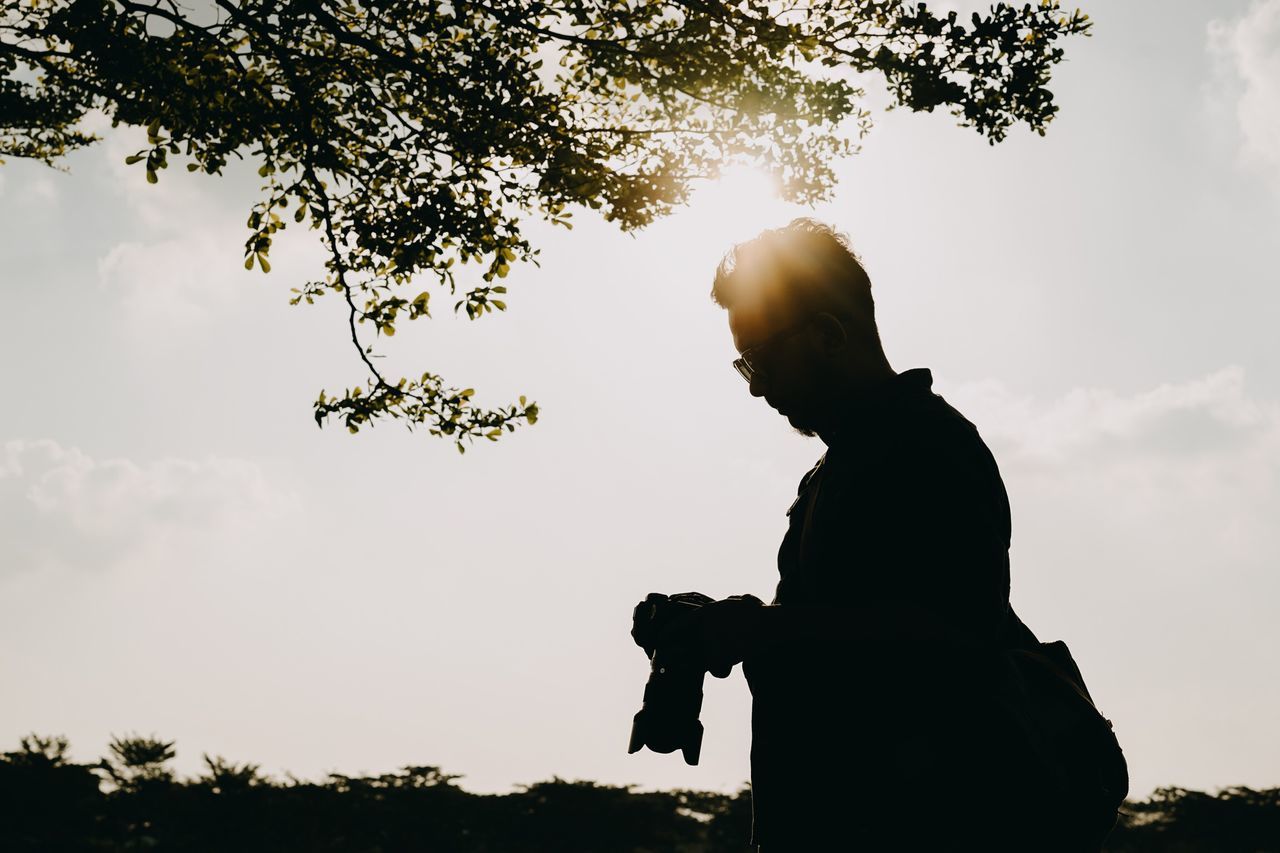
{"x": 833, "y": 337}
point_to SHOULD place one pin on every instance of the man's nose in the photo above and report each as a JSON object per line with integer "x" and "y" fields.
{"x": 758, "y": 384}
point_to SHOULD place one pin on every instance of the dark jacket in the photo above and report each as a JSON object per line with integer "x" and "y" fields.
{"x": 906, "y": 512}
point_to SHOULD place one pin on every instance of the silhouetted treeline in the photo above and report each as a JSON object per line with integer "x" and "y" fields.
{"x": 131, "y": 800}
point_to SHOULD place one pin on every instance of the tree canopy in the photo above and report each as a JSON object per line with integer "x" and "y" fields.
{"x": 417, "y": 136}
{"x": 132, "y": 799}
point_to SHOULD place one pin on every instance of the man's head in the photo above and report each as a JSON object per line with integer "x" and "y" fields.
{"x": 802, "y": 317}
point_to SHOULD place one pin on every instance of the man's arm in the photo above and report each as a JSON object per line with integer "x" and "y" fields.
{"x": 724, "y": 633}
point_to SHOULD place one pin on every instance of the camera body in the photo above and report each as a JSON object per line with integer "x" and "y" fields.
{"x": 668, "y": 719}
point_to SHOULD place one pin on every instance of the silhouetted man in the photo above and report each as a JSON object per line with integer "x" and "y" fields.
{"x": 869, "y": 729}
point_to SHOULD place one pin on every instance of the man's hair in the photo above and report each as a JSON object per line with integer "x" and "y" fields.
{"x": 804, "y": 267}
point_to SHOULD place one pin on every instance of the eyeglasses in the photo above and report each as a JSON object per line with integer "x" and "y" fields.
{"x": 748, "y": 364}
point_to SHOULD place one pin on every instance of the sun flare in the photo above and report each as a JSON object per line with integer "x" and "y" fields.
{"x": 741, "y": 202}
{"x": 736, "y": 206}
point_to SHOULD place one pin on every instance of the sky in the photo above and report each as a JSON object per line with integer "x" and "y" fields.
{"x": 183, "y": 553}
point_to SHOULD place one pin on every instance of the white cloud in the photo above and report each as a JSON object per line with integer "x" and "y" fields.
{"x": 60, "y": 506}
{"x": 1248, "y": 50}
{"x": 96, "y": 121}
{"x": 183, "y": 280}
{"x": 41, "y": 190}
{"x": 1201, "y": 450}
{"x": 173, "y": 204}
{"x": 1090, "y": 419}
{"x": 1144, "y": 533}
{"x": 186, "y": 266}
{"x": 35, "y": 189}
{"x": 177, "y": 281}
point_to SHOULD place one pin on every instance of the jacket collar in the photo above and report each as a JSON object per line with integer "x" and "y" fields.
{"x": 854, "y": 412}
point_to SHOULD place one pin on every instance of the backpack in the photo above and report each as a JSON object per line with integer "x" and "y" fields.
{"x": 1041, "y": 691}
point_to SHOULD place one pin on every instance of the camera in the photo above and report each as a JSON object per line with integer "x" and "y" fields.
{"x": 668, "y": 718}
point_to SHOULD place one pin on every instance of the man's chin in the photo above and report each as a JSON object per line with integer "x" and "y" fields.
{"x": 802, "y": 426}
{"x": 798, "y": 421}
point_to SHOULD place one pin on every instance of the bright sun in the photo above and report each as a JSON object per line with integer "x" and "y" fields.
{"x": 742, "y": 201}
{"x": 739, "y": 204}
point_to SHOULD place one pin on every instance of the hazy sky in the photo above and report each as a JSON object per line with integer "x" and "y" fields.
{"x": 183, "y": 553}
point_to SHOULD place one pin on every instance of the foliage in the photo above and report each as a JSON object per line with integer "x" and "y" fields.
{"x": 1235, "y": 820}
{"x": 224, "y": 776}
{"x": 418, "y": 136}
{"x": 37, "y": 751}
{"x": 418, "y": 808}
{"x": 135, "y": 761}
{"x": 47, "y": 802}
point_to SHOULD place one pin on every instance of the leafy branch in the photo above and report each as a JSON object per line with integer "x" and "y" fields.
{"x": 417, "y": 138}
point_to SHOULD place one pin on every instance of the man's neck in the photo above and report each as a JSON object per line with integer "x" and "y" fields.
{"x": 860, "y": 395}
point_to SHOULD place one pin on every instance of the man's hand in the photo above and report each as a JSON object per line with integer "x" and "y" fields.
{"x": 650, "y": 617}
{"x": 720, "y": 634}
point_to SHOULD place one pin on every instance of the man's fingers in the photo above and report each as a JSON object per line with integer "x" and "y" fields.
{"x": 692, "y": 598}
{"x": 681, "y": 629}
